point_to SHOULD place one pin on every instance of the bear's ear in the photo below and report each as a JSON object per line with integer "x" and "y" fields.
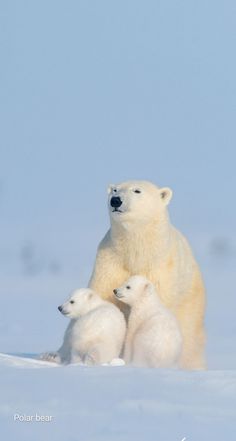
{"x": 110, "y": 188}
{"x": 166, "y": 194}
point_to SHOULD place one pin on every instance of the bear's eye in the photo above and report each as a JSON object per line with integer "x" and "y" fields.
{"x": 72, "y": 301}
{"x": 127, "y": 287}
{"x": 137, "y": 191}
{"x": 115, "y": 190}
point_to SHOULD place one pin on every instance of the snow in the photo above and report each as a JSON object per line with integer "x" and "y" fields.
{"x": 118, "y": 403}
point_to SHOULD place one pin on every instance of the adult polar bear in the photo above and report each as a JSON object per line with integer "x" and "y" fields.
{"x": 142, "y": 241}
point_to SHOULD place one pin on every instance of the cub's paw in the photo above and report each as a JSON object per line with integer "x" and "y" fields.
{"x": 53, "y": 357}
{"x": 90, "y": 360}
{"x": 117, "y": 362}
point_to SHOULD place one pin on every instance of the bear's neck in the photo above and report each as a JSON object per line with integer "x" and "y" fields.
{"x": 137, "y": 242}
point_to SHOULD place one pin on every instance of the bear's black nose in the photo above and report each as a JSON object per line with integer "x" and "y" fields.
{"x": 115, "y": 291}
{"x": 60, "y": 308}
{"x": 116, "y": 201}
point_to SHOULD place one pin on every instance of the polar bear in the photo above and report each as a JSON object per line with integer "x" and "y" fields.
{"x": 153, "y": 336}
{"x": 142, "y": 240}
{"x": 96, "y": 332}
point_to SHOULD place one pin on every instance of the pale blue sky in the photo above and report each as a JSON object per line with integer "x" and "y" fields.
{"x": 94, "y": 92}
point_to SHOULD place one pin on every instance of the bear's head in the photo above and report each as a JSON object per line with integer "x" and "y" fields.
{"x": 137, "y": 201}
{"x": 80, "y": 302}
{"x": 133, "y": 289}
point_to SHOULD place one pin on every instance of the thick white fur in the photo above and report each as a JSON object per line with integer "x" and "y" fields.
{"x": 143, "y": 241}
{"x": 96, "y": 332}
{"x": 153, "y": 336}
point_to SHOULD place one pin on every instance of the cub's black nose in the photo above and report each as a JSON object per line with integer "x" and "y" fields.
{"x": 116, "y": 201}
{"x": 115, "y": 291}
{"x": 60, "y": 308}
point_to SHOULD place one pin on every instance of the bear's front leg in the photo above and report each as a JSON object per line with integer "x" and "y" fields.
{"x": 190, "y": 315}
{"x": 107, "y": 275}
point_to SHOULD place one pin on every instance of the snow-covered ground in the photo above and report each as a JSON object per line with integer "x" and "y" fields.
{"x": 118, "y": 403}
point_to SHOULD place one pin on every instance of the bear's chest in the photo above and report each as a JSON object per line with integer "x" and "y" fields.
{"x": 137, "y": 258}
{"x": 138, "y": 263}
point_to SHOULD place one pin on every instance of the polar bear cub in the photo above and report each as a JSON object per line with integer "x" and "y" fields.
{"x": 96, "y": 332}
{"x": 153, "y": 336}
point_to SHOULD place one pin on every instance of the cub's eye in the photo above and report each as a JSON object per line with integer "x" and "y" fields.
{"x": 137, "y": 191}
{"x": 127, "y": 287}
{"x": 115, "y": 190}
{"x": 72, "y": 301}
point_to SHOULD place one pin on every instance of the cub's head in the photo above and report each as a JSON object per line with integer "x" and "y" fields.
{"x": 133, "y": 289}
{"x": 139, "y": 201}
{"x": 80, "y": 302}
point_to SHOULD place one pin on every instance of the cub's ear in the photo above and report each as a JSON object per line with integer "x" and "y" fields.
{"x": 166, "y": 195}
{"x": 110, "y": 188}
{"x": 147, "y": 286}
{"x": 90, "y": 296}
